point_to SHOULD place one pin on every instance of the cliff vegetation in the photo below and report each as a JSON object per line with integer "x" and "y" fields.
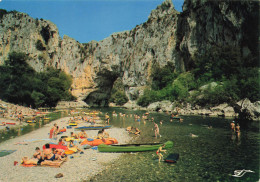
{"x": 20, "y": 84}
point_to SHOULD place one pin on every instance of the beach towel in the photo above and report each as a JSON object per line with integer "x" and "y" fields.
{"x": 6, "y": 152}
{"x": 51, "y": 133}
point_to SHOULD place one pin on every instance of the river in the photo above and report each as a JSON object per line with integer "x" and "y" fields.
{"x": 213, "y": 155}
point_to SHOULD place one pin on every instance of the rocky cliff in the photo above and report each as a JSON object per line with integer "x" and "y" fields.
{"x": 167, "y": 36}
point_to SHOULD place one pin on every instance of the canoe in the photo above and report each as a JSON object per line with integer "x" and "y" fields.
{"x": 133, "y": 147}
{"x": 11, "y": 123}
{"x": 172, "y": 158}
{"x": 92, "y": 127}
{"x": 73, "y": 124}
{"x": 30, "y": 121}
{"x": 96, "y": 142}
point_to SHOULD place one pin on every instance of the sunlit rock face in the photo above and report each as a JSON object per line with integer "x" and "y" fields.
{"x": 167, "y": 36}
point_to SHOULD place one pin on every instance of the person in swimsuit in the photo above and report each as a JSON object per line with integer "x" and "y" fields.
{"x": 159, "y": 152}
{"x": 238, "y": 130}
{"x": 61, "y": 142}
{"x": 105, "y": 134}
{"x": 47, "y": 153}
{"x": 38, "y": 155}
{"x": 82, "y": 134}
{"x": 156, "y": 130}
{"x": 34, "y": 161}
{"x": 232, "y": 126}
{"x": 71, "y": 145}
{"x": 73, "y": 135}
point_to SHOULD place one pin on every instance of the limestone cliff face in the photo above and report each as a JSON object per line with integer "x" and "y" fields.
{"x": 167, "y": 36}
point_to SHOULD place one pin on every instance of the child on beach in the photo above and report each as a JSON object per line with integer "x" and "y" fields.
{"x": 159, "y": 152}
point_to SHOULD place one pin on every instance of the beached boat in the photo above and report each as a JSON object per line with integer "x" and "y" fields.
{"x": 96, "y": 142}
{"x": 73, "y": 124}
{"x": 10, "y": 123}
{"x": 133, "y": 147}
{"x": 93, "y": 127}
{"x": 172, "y": 158}
{"x": 31, "y": 121}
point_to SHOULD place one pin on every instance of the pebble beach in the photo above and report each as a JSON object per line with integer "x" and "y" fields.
{"x": 82, "y": 167}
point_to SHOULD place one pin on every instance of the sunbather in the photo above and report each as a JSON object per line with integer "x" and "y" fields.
{"x": 82, "y": 134}
{"x": 35, "y": 161}
{"x": 72, "y": 146}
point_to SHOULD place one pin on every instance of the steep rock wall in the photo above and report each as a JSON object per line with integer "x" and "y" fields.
{"x": 167, "y": 36}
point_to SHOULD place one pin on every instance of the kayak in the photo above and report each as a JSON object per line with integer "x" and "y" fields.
{"x": 92, "y": 127}
{"x": 172, "y": 158}
{"x": 96, "y": 142}
{"x": 29, "y": 121}
{"x": 133, "y": 147}
{"x": 73, "y": 124}
{"x": 11, "y": 123}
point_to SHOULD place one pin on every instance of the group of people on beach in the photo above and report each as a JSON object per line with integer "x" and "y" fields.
{"x": 48, "y": 156}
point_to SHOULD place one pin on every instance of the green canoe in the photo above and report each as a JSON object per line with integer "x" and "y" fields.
{"x": 133, "y": 147}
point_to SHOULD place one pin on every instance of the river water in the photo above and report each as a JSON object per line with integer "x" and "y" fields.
{"x": 212, "y": 156}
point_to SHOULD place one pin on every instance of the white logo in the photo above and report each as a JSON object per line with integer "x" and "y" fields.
{"x": 240, "y": 173}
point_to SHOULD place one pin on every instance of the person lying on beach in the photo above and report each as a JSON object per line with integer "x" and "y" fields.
{"x": 34, "y": 161}
{"x": 59, "y": 153}
{"x": 72, "y": 146}
{"x": 82, "y": 134}
{"x": 49, "y": 155}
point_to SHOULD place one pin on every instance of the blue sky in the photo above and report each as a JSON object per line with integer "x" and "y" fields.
{"x": 86, "y": 20}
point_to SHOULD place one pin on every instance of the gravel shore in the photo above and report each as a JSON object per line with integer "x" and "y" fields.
{"x": 81, "y": 167}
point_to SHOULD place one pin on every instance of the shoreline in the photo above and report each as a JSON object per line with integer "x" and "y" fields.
{"x": 81, "y": 167}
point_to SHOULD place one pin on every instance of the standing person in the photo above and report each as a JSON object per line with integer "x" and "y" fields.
{"x": 232, "y": 126}
{"x": 53, "y": 129}
{"x": 238, "y": 130}
{"x": 55, "y": 132}
{"x": 156, "y": 130}
{"x": 159, "y": 152}
{"x": 107, "y": 118}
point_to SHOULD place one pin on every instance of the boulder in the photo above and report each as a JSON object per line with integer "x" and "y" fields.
{"x": 249, "y": 110}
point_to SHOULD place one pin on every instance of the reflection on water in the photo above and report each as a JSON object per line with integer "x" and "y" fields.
{"x": 212, "y": 156}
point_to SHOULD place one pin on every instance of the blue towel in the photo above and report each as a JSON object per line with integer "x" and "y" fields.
{"x": 94, "y": 148}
